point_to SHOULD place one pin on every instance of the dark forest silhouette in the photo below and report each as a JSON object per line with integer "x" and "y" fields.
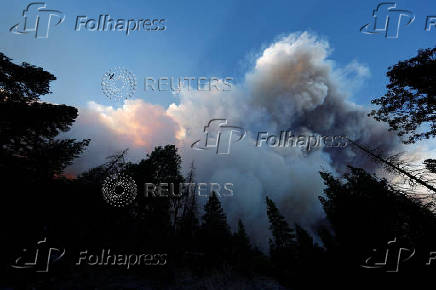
{"x": 363, "y": 212}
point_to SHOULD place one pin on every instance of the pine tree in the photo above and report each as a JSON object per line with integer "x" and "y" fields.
{"x": 31, "y": 155}
{"x": 283, "y": 235}
{"x": 308, "y": 253}
{"x": 282, "y": 245}
{"x": 242, "y": 252}
{"x": 29, "y": 127}
{"x": 215, "y": 232}
{"x": 365, "y": 212}
{"x": 214, "y": 219}
{"x": 188, "y": 224}
{"x": 242, "y": 237}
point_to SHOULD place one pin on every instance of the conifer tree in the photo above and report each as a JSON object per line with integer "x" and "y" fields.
{"x": 282, "y": 245}
{"x": 283, "y": 235}
{"x": 242, "y": 237}
{"x": 215, "y": 232}
{"x": 214, "y": 219}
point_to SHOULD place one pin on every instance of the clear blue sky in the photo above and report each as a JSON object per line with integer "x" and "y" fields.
{"x": 204, "y": 38}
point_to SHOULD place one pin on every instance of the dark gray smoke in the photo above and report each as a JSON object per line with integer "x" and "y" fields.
{"x": 293, "y": 86}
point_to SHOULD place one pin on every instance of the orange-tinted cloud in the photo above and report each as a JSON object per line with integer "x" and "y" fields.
{"x": 136, "y": 125}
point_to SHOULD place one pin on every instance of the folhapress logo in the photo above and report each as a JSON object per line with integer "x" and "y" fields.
{"x": 38, "y": 19}
{"x": 217, "y": 134}
{"x": 106, "y": 23}
{"x": 390, "y": 259}
{"x": 387, "y": 19}
{"x": 39, "y": 259}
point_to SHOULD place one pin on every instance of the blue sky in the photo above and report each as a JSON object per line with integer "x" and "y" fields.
{"x": 204, "y": 38}
{"x": 223, "y": 39}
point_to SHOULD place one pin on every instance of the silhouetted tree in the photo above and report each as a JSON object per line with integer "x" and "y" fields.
{"x": 241, "y": 236}
{"x": 188, "y": 223}
{"x": 309, "y": 254}
{"x": 215, "y": 232}
{"x": 411, "y": 97}
{"x": 283, "y": 235}
{"x": 32, "y": 157}
{"x": 365, "y": 213}
{"x": 28, "y": 126}
{"x": 243, "y": 254}
{"x": 115, "y": 163}
{"x": 153, "y": 212}
{"x": 283, "y": 244}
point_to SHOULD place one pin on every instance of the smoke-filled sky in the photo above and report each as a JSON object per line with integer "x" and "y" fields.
{"x": 294, "y": 67}
{"x": 293, "y": 85}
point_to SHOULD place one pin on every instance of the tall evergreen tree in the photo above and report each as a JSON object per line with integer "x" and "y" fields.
{"x": 215, "y": 232}
{"x": 282, "y": 245}
{"x": 214, "y": 219}
{"x": 162, "y": 165}
{"x": 366, "y": 213}
{"x": 309, "y": 254}
{"x": 283, "y": 235}
{"x": 242, "y": 252}
{"x": 29, "y": 127}
{"x": 242, "y": 237}
{"x": 188, "y": 223}
{"x": 31, "y": 155}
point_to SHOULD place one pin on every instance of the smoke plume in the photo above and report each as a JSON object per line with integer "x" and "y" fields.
{"x": 292, "y": 86}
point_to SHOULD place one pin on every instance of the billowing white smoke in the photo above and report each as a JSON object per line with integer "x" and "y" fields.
{"x": 293, "y": 86}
